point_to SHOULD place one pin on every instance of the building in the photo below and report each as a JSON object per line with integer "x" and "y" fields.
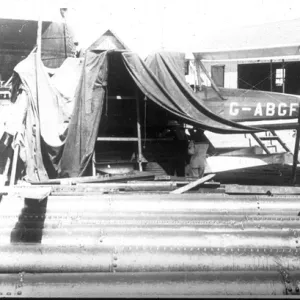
{"x": 18, "y": 39}
{"x": 264, "y": 57}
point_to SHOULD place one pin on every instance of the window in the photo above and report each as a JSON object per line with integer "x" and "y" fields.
{"x": 280, "y": 76}
{"x": 217, "y": 75}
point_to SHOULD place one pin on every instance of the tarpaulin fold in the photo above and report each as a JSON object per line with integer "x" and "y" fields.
{"x": 38, "y": 119}
{"x": 167, "y": 68}
{"x": 85, "y": 120}
{"x": 166, "y": 88}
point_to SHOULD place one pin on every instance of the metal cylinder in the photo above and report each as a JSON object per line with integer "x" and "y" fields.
{"x": 144, "y": 284}
{"x": 152, "y": 236}
{"x": 102, "y": 258}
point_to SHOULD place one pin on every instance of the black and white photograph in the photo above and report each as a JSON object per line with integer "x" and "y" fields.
{"x": 149, "y": 149}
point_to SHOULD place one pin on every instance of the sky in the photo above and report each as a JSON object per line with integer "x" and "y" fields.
{"x": 150, "y": 25}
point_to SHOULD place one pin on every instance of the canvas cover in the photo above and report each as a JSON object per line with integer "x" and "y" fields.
{"x": 166, "y": 72}
{"x": 164, "y": 85}
{"x": 39, "y": 126}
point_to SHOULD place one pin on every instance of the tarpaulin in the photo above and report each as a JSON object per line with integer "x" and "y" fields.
{"x": 83, "y": 128}
{"x": 166, "y": 89}
{"x": 43, "y": 119}
{"x": 165, "y": 70}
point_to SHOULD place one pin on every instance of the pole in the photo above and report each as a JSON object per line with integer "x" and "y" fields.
{"x": 271, "y": 75}
{"x": 199, "y": 79}
{"x": 65, "y": 40}
{"x": 14, "y": 165}
{"x": 138, "y": 126}
{"x": 213, "y": 84}
{"x": 283, "y": 77}
{"x": 296, "y": 151}
{"x": 38, "y": 56}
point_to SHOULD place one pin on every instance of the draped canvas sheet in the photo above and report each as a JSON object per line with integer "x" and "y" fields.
{"x": 38, "y": 119}
{"x": 167, "y": 68}
{"x": 167, "y": 89}
{"x": 83, "y": 128}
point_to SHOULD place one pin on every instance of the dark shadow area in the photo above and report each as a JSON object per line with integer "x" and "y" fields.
{"x": 270, "y": 77}
{"x": 29, "y": 228}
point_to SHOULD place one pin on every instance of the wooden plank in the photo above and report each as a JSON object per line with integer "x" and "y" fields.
{"x": 118, "y": 139}
{"x": 261, "y": 189}
{"x": 296, "y": 151}
{"x": 213, "y": 84}
{"x": 192, "y": 184}
{"x": 14, "y": 165}
{"x": 31, "y": 192}
{"x": 260, "y": 143}
{"x": 94, "y": 179}
{"x": 138, "y": 129}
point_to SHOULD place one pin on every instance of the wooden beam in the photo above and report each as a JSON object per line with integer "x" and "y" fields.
{"x": 260, "y": 143}
{"x": 283, "y": 77}
{"x": 192, "y": 184}
{"x": 118, "y": 139}
{"x": 14, "y": 165}
{"x": 133, "y": 139}
{"x": 261, "y": 189}
{"x": 93, "y": 164}
{"x": 136, "y": 175}
{"x": 271, "y": 75}
{"x": 138, "y": 127}
{"x": 213, "y": 84}
{"x": 296, "y": 150}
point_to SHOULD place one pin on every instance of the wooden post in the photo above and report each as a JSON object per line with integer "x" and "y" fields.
{"x": 213, "y": 84}
{"x": 200, "y": 82}
{"x": 94, "y": 163}
{"x": 138, "y": 127}
{"x": 14, "y": 165}
{"x": 283, "y": 77}
{"x": 37, "y": 63}
{"x": 193, "y": 184}
{"x": 260, "y": 143}
{"x": 271, "y": 75}
{"x": 65, "y": 39}
{"x": 296, "y": 151}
